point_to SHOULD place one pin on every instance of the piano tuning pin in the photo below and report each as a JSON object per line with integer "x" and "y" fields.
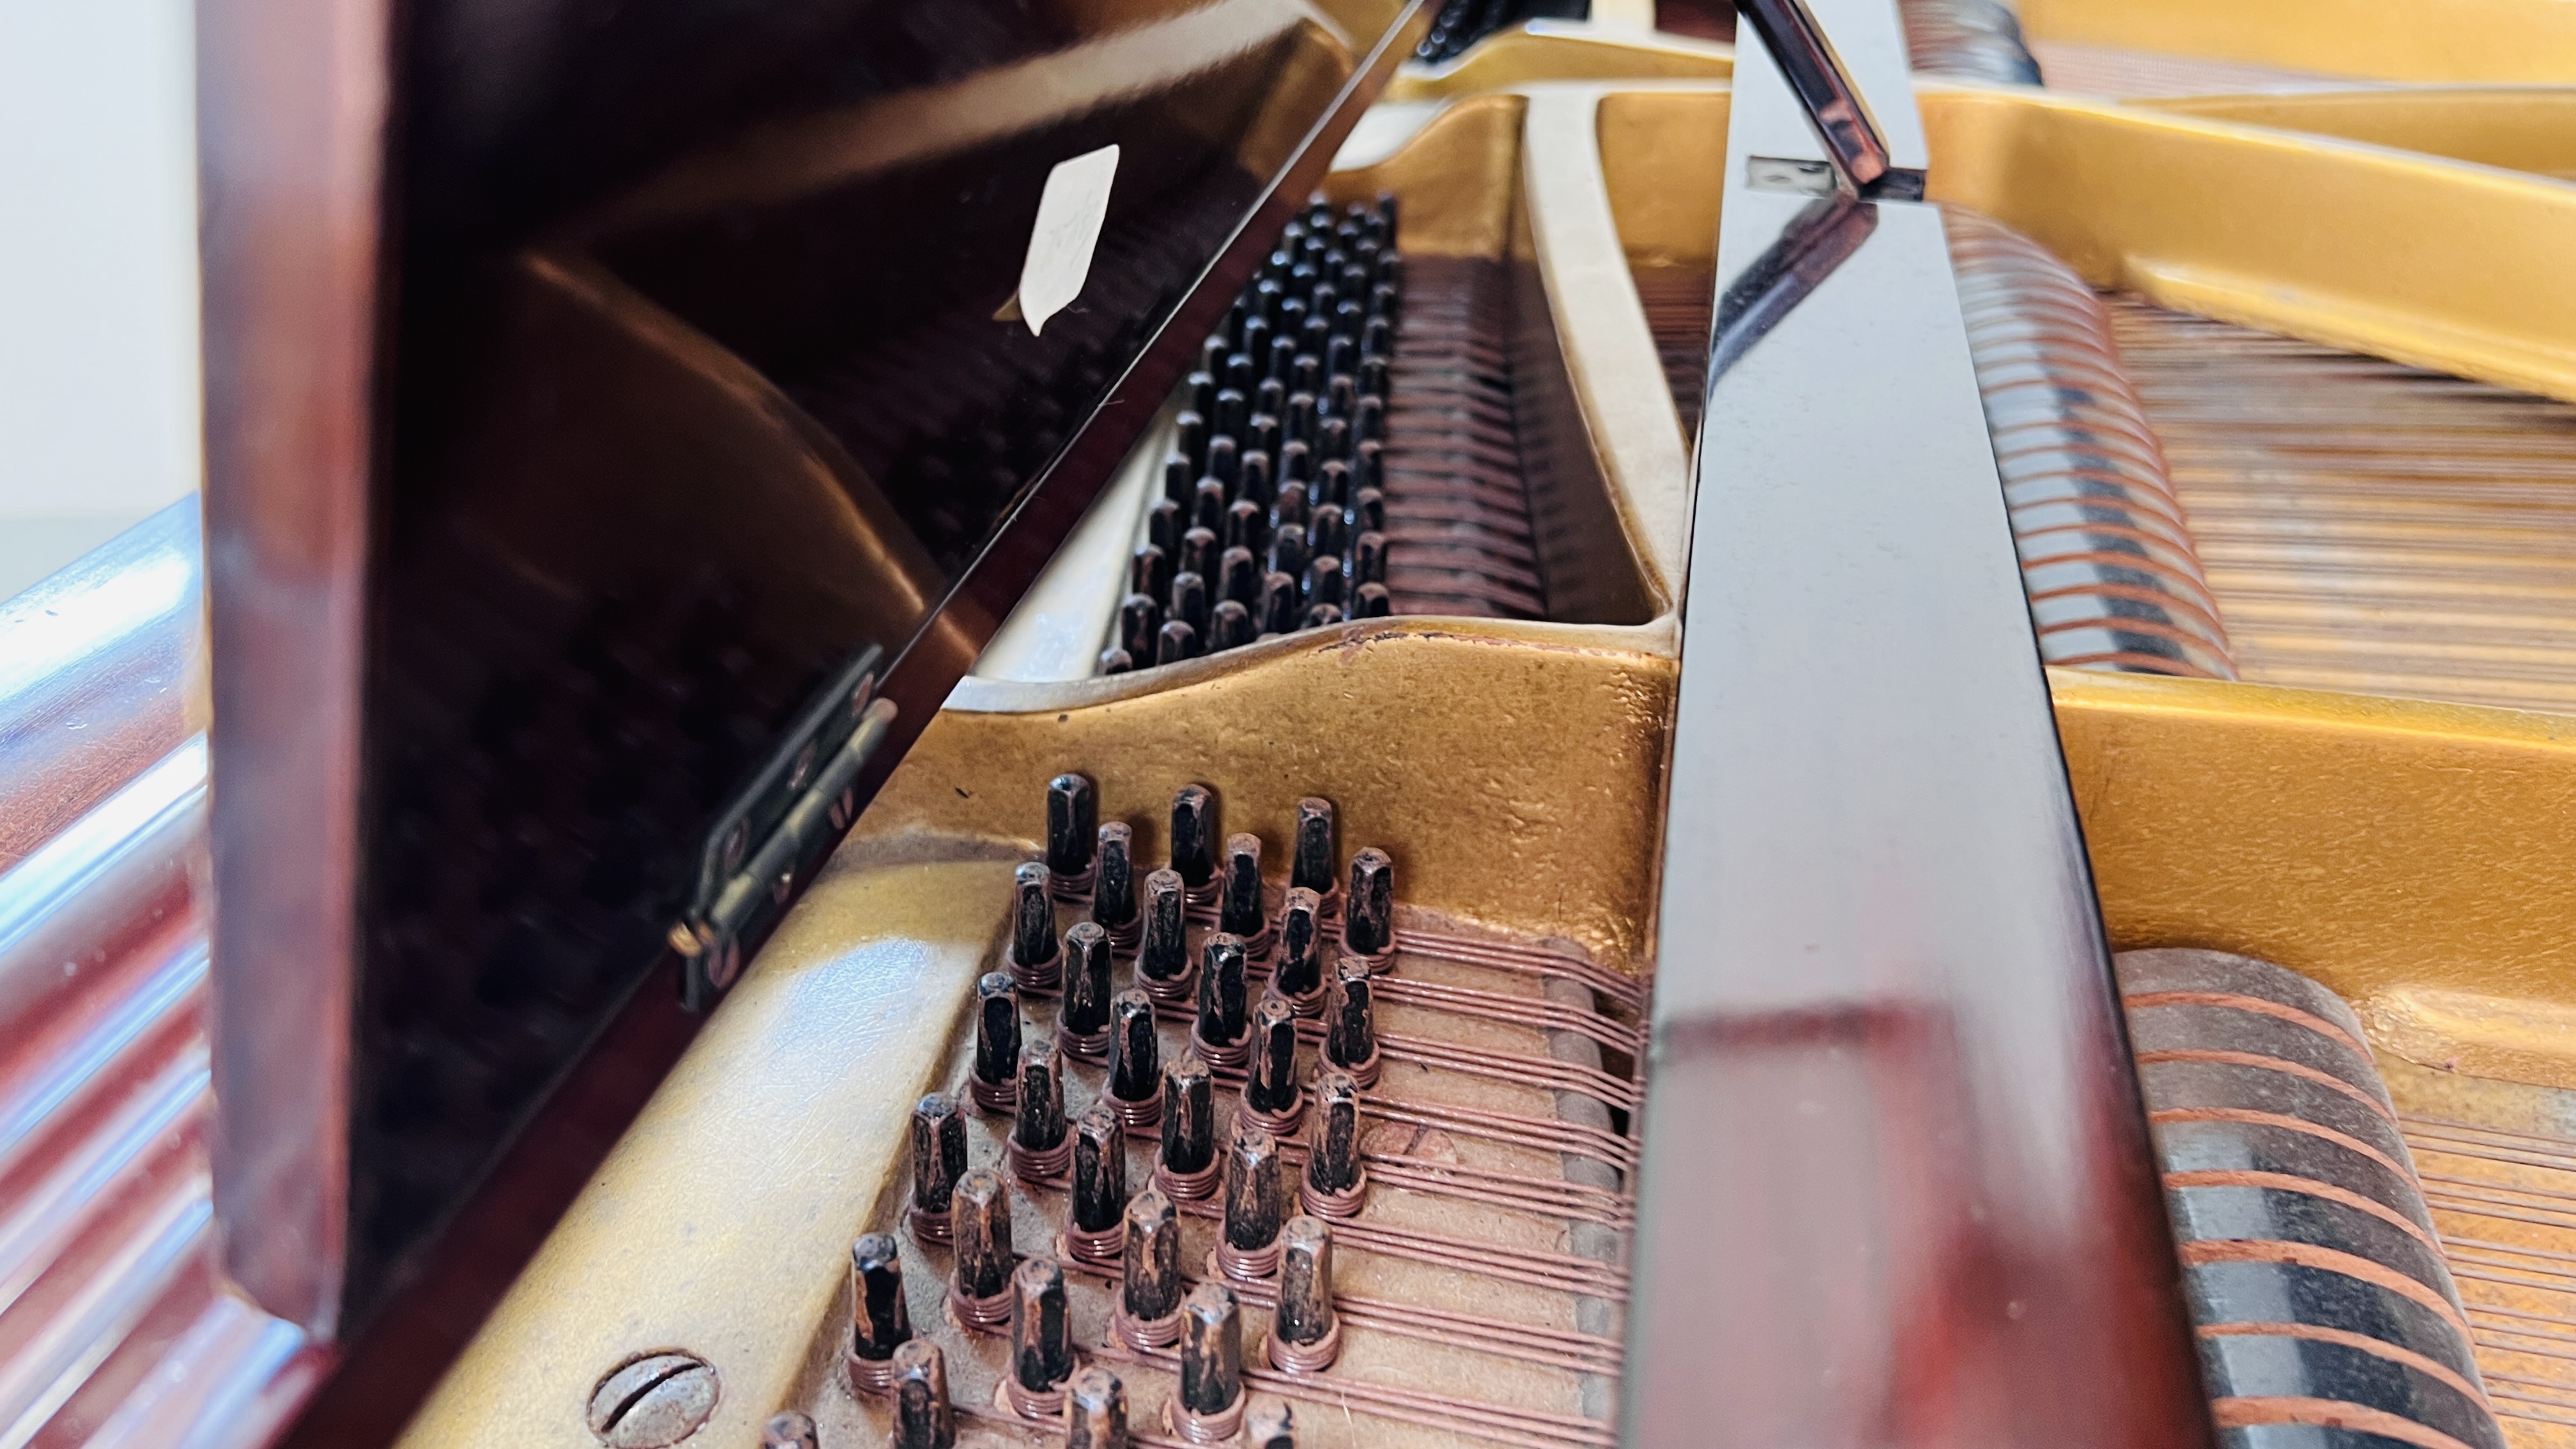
{"x": 1149, "y": 572}
{"x": 979, "y": 1287}
{"x": 1368, "y": 557}
{"x": 1135, "y": 1062}
{"x": 938, "y": 1160}
{"x": 1238, "y": 373}
{"x": 1349, "y": 318}
{"x": 1040, "y": 1146}
{"x": 1150, "y": 1285}
{"x": 1325, "y": 535}
{"x": 1319, "y": 213}
{"x": 994, "y": 1082}
{"x": 1280, "y": 606}
{"x": 1230, "y": 625}
{"x": 1202, "y": 390}
{"x": 923, "y": 1416}
{"x": 1041, "y": 1340}
{"x": 1306, "y": 374}
{"x": 1384, "y": 298}
{"x": 1186, "y": 1166}
{"x": 1289, "y": 506}
{"x": 1259, "y": 479}
{"x": 1194, "y": 841}
{"x": 1374, "y": 375}
{"x": 1305, "y": 1332}
{"x": 1252, "y": 340}
{"x": 1332, "y": 438}
{"x": 1321, "y": 301}
{"x": 1207, "y": 512}
{"x": 1288, "y": 556}
{"x": 1247, "y": 1245}
{"x": 1343, "y": 393}
{"x": 1368, "y": 423}
{"x": 1300, "y": 426}
{"x": 1267, "y": 292}
{"x": 880, "y": 1322}
{"x": 1324, "y": 576}
{"x": 1272, "y": 1426}
{"x": 1296, "y": 462}
{"x": 1095, "y": 1411}
{"x": 1333, "y": 484}
{"x": 1372, "y": 601}
{"x": 1036, "y": 958}
{"x": 1237, "y": 312}
{"x": 1162, "y": 958}
{"x": 1272, "y": 395}
{"x": 1240, "y": 908}
{"x": 1199, "y": 551}
{"x": 1314, "y": 334}
{"x": 1223, "y": 1027}
{"x": 1209, "y": 1407}
{"x": 1139, "y": 615}
{"x": 1298, "y": 974}
{"x": 1261, "y": 436}
{"x": 1095, "y": 1228}
{"x": 1350, "y": 1025}
{"x": 1368, "y": 915}
{"x": 1073, "y": 831}
{"x": 1212, "y": 354}
{"x": 1244, "y": 522}
{"x": 1358, "y": 275}
{"x": 790, "y": 1430}
{"x": 1163, "y": 523}
{"x": 1368, "y": 464}
{"x": 1377, "y": 338}
{"x": 1271, "y": 1094}
{"x": 1190, "y": 439}
{"x": 1113, "y": 888}
{"x": 1335, "y": 1183}
{"x": 1082, "y": 1018}
{"x": 1368, "y": 510}
{"x": 1189, "y": 605}
{"x": 1225, "y": 462}
{"x": 1176, "y": 642}
{"x": 1315, "y": 863}
{"x": 1386, "y": 214}
{"x": 1226, "y": 420}
{"x": 1321, "y": 616}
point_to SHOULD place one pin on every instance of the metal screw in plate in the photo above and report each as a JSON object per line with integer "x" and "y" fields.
{"x": 653, "y": 1401}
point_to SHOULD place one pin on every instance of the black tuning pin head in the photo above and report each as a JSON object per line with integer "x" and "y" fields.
{"x": 1305, "y": 1316}
{"x": 1368, "y": 557}
{"x": 997, "y": 1040}
{"x": 1194, "y": 836}
{"x": 1238, "y": 372}
{"x": 1084, "y": 1012}
{"x": 1095, "y": 1411}
{"x": 1252, "y": 1200}
{"x": 1207, "y": 511}
{"x": 1350, "y": 1027}
{"x": 1343, "y": 396}
{"x": 1377, "y": 338}
{"x": 1099, "y": 1169}
{"x": 1288, "y": 553}
{"x": 1240, "y": 908}
{"x": 1333, "y": 1157}
{"x": 1341, "y": 355}
{"x": 1073, "y": 826}
{"x": 938, "y": 1152}
{"x": 1037, "y": 1121}
{"x": 1368, "y": 420}
{"x": 1368, "y": 466}
{"x": 1190, "y": 600}
{"x": 1324, "y": 575}
{"x": 1135, "y": 1054}
{"x": 923, "y": 1416}
{"x": 1151, "y": 1286}
{"x": 1150, "y": 571}
{"x": 1326, "y": 536}
{"x": 1290, "y": 506}
{"x": 1177, "y": 641}
{"x": 1245, "y": 523}
{"x": 1368, "y": 916}
{"x": 1211, "y": 1350}
{"x": 1298, "y": 973}
{"x": 1180, "y": 474}
{"x": 1332, "y": 485}
{"x": 1041, "y": 1328}
{"x": 1270, "y": 1088}
{"x": 1282, "y": 364}
{"x": 1212, "y": 353}
{"x": 1189, "y": 1117}
{"x": 1163, "y": 955}
{"x": 1238, "y": 578}
{"x": 880, "y": 1322}
{"x": 1113, "y": 884}
{"x": 1139, "y": 618}
{"x": 1261, "y": 435}
{"x": 1202, "y": 390}
{"x": 1163, "y": 526}
{"x": 1230, "y": 625}
{"x": 1296, "y": 462}
{"x": 983, "y": 1233}
{"x": 1199, "y": 552}
{"x": 1373, "y": 373}
{"x": 1300, "y": 422}
{"x": 1033, "y": 940}
{"x": 1225, "y": 458}
{"x": 1224, "y": 1014}
{"x": 1332, "y": 438}
{"x": 1191, "y": 440}
{"x": 1315, "y": 861}
{"x": 1116, "y": 661}
{"x": 1371, "y": 601}
{"x": 1322, "y": 616}
{"x": 1368, "y": 511}
{"x": 1306, "y": 374}
{"x": 1280, "y": 605}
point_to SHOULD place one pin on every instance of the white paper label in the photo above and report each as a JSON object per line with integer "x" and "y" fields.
{"x": 1070, "y": 211}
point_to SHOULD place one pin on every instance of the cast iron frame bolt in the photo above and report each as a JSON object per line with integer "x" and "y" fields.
{"x": 1247, "y": 1246}
{"x": 1095, "y": 1411}
{"x": 1135, "y": 1060}
{"x": 1336, "y": 1182}
{"x": 1209, "y": 1407}
{"x": 1041, "y": 1340}
{"x": 923, "y": 1416}
{"x": 653, "y": 1401}
{"x": 938, "y": 1160}
{"x": 1073, "y": 830}
{"x": 1271, "y": 1094}
{"x": 1368, "y": 914}
{"x": 1082, "y": 1018}
{"x": 1222, "y": 1032}
{"x": 1147, "y": 1313}
{"x": 1187, "y": 1166}
{"x": 1350, "y": 1023}
{"x": 1037, "y": 958}
{"x": 995, "y": 1081}
{"x": 1163, "y": 958}
{"x": 1040, "y": 1147}
{"x": 979, "y": 1290}
{"x": 880, "y": 1322}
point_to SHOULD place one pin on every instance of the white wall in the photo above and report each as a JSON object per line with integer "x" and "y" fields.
{"x": 98, "y": 274}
